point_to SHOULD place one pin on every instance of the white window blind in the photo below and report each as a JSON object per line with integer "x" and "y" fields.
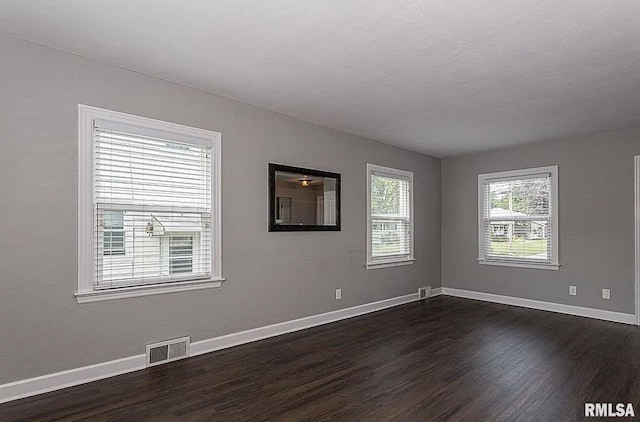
{"x": 518, "y": 221}
{"x": 159, "y": 191}
{"x": 390, "y": 215}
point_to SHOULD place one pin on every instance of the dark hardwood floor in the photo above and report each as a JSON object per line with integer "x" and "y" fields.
{"x": 441, "y": 359}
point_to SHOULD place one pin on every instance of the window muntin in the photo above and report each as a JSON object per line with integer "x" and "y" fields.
{"x": 518, "y": 217}
{"x": 390, "y": 217}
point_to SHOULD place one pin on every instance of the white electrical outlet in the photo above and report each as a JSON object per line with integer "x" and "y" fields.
{"x": 606, "y": 294}
{"x": 572, "y": 290}
{"x": 338, "y": 294}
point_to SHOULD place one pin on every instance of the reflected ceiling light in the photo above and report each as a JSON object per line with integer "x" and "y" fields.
{"x": 305, "y": 182}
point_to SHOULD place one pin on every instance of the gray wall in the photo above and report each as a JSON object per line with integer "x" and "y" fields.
{"x": 596, "y": 223}
{"x": 272, "y": 277}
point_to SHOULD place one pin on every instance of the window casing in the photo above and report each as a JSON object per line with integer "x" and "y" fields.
{"x": 518, "y": 218}
{"x": 389, "y": 217}
{"x": 149, "y": 206}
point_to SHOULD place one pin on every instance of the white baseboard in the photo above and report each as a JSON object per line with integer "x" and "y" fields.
{"x": 46, "y": 383}
{"x": 230, "y": 340}
{"x": 38, "y": 385}
{"x": 544, "y": 306}
{"x": 43, "y": 384}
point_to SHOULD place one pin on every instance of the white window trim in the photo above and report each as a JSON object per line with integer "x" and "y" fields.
{"x": 515, "y": 174}
{"x": 86, "y": 291}
{"x": 391, "y": 262}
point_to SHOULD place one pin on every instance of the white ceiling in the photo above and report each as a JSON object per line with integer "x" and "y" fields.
{"x": 443, "y": 77}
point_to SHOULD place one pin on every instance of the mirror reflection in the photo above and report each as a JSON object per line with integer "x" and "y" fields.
{"x": 304, "y": 199}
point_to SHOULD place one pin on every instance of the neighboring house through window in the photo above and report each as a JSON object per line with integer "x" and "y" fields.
{"x": 113, "y": 233}
{"x": 149, "y": 200}
{"x": 390, "y": 217}
{"x": 180, "y": 254}
{"x": 518, "y": 218}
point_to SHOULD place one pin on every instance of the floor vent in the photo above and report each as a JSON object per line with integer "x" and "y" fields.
{"x": 424, "y": 292}
{"x": 167, "y": 351}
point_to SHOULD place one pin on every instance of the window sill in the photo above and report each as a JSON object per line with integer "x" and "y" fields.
{"x": 387, "y": 264}
{"x": 154, "y": 289}
{"x": 539, "y": 266}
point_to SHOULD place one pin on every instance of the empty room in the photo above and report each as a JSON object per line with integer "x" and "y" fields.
{"x": 319, "y": 210}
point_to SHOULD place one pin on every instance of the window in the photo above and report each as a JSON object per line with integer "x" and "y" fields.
{"x": 180, "y": 254}
{"x": 149, "y": 206}
{"x": 518, "y": 218}
{"x": 390, "y": 217}
{"x": 113, "y": 233}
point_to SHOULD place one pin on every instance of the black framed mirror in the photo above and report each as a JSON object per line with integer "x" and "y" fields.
{"x": 302, "y": 199}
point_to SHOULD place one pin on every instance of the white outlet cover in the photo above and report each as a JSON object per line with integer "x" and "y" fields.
{"x": 572, "y": 290}
{"x": 606, "y": 294}
{"x": 338, "y": 294}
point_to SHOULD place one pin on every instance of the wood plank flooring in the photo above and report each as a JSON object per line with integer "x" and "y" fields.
{"x": 441, "y": 359}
